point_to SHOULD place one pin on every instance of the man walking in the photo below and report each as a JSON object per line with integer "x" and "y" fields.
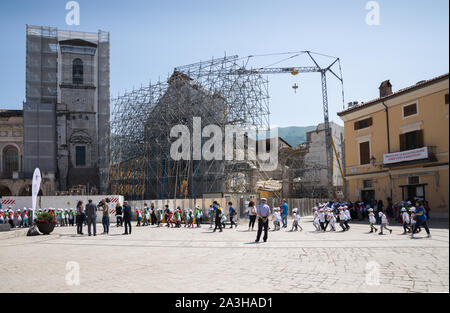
{"x": 127, "y": 217}
{"x": 263, "y": 212}
{"x": 91, "y": 215}
{"x": 284, "y": 213}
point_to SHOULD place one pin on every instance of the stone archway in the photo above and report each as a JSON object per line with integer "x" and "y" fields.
{"x": 5, "y": 191}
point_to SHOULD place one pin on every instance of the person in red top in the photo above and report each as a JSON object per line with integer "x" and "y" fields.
{"x": 169, "y": 219}
{"x": 139, "y": 217}
{"x": 2, "y": 217}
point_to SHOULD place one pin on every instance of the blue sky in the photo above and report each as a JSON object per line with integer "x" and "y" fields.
{"x": 150, "y": 38}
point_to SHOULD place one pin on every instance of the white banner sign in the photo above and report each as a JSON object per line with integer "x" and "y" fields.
{"x": 404, "y": 156}
{"x": 35, "y": 188}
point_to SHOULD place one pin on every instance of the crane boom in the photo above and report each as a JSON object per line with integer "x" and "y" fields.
{"x": 277, "y": 70}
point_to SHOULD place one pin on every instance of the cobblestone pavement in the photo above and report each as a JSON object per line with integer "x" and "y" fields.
{"x": 197, "y": 260}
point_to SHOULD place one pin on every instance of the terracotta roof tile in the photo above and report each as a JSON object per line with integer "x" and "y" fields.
{"x": 397, "y": 93}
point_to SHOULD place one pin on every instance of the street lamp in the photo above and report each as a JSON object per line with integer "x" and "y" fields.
{"x": 373, "y": 160}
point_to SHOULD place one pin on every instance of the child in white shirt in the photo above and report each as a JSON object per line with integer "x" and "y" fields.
{"x": 316, "y": 219}
{"x": 384, "y": 222}
{"x": 372, "y": 221}
{"x": 413, "y": 219}
{"x": 348, "y": 217}
{"x": 406, "y": 221}
{"x": 331, "y": 220}
{"x": 296, "y": 225}
{"x": 343, "y": 220}
{"x": 276, "y": 219}
{"x": 322, "y": 220}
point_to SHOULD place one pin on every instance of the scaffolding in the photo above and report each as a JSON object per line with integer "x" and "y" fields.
{"x": 141, "y": 165}
{"x": 225, "y": 91}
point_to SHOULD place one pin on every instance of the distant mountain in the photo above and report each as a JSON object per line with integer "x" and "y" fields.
{"x": 295, "y": 135}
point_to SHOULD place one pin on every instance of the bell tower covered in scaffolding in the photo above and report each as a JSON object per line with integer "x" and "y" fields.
{"x": 66, "y": 114}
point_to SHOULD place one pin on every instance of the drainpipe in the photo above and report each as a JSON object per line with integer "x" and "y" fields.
{"x": 388, "y": 142}
{"x": 387, "y": 126}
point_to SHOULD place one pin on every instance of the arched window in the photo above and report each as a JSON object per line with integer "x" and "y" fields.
{"x": 77, "y": 73}
{"x": 10, "y": 160}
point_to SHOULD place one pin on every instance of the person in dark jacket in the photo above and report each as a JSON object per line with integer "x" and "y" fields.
{"x": 219, "y": 213}
{"x": 119, "y": 215}
{"x": 153, "y": 214}
{"x": 80, "y": 217}
{"x": 127, "y": 213}
{"x": 91, "y": 214}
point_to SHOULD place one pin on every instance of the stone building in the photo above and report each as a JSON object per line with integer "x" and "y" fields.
{"x": 67, "y": 108}
{"x": 12, "y": 179}
{"x": 397, "y": 145}
{"x": 316, "y": 158}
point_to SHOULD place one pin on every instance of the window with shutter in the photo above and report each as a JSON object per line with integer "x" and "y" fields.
{"x": 364, "y": 153}
{"x": 413, "y": 180}
{"x": 403, "y": 142}
{"x": 420, "y": 141}
{"x": 410, "y": 110}
{"x": 364, "y": 123}
{"x": 412, "y": 140}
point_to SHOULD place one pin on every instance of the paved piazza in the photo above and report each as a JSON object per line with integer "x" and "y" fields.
{"x": 197, "y": 260}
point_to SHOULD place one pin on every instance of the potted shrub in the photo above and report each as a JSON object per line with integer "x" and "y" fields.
{"x": 46, "y": 222}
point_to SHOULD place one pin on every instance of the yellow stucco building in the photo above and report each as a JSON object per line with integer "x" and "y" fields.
{"x": 397, "y": 146}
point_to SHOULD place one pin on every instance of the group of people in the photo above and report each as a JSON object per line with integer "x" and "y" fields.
{"x": 173, "y": 218}
{"x": 331, "y": 213}
{"x": 328, "y": 214}
{"x": 63, "y": 217}
{"x": 176, "y": 218}
{"x": 17, "y": 218}
{"x": 87, "y": 214}
{"x": 360, "y": 210}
